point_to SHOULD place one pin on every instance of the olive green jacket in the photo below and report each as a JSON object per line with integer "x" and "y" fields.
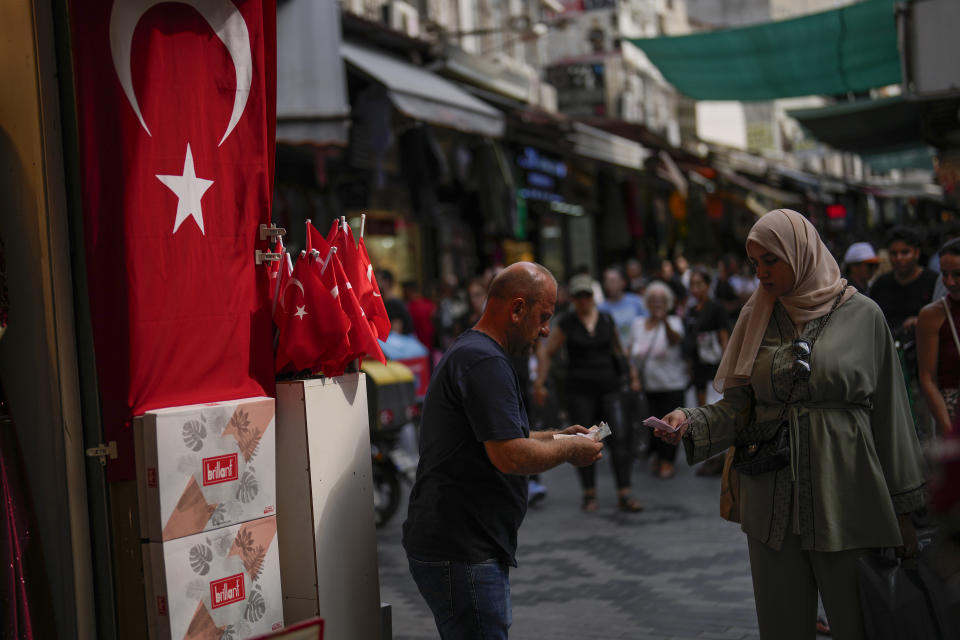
{"x": 855, "y": 458}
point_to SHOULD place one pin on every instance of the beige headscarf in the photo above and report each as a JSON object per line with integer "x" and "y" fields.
{"x": 817, "y": 282}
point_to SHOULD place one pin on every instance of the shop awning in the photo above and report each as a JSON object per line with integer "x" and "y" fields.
{"x": 771, "y": 195}
{"x": 591, "y": 142}
{"x": 865, "y": 126}
{"x": 423, "y": 95}
{"x": 921, "y": 190}
{"x": 312, "y": 105}
{"x": 849, "y": 49}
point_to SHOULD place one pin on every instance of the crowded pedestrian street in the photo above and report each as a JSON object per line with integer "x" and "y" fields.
{"x": 672, "y": 571}
{"x": 480, "y": 320}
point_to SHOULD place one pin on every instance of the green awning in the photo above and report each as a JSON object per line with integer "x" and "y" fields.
{"x": 834, "y": 52}
{"x": 865, "y": 126}
{"x": 920, "y": 157}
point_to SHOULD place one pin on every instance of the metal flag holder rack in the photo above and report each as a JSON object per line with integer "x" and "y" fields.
{"x": 269, "y": 233}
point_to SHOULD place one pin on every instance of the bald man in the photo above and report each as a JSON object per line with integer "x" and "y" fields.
{"x": 476, "y": 450}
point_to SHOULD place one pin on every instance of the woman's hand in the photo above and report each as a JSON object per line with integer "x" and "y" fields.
{"x": 635, "y": 385}
{"x": 675, "y": 418}
{"x": 910, "y": 547}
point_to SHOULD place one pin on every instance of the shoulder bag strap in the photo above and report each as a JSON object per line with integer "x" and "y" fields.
{"x": 953, "y": 327}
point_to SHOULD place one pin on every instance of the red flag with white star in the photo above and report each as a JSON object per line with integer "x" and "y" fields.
{"x": 176, "y": 115}
{"x": 314, "y": 328}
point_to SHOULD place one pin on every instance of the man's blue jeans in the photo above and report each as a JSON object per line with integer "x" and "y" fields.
{"x": 468, "y": 601}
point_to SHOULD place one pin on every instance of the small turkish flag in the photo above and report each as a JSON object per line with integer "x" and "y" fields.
{"x": 363, "y": 339}
{"x": 350, "y": 259}
{"x": 314, "y": 328}
{"x": 176, "y": 115}
{"x": 285, "y": 270}
{"x": 316, "y": 241}
{"x": 275, "y": 268}
{"x": 372, "y": 301}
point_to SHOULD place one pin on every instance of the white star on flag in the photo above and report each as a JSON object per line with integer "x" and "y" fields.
{"x": 189, "y": 189}
{"x": 301, "y": 311}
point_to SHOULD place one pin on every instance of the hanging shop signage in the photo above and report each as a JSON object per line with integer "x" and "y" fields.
{"x": 581, "y": 87}
{"x": 541, "y": 177}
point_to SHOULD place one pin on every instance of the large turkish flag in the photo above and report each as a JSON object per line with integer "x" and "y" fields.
{"x": 176, "y": 114}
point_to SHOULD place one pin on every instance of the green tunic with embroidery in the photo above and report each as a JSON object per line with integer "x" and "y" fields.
{"x": 855, "y": 458}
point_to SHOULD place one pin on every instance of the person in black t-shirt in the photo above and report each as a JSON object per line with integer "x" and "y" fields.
{"x": 901, "y": 294}
{"x": 722, "y": 291}
{"x": 476, "y": 448}
{"x": 596, "y": 366}
{"x": 706, "y": 331}
{"x": 905, "y": 290}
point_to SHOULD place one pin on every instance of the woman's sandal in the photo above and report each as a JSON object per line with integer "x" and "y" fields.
{"x": 629, "y": 504}
{"x": 589, "y": 503}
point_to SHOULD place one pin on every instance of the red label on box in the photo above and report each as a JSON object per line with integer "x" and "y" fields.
{"x": 220, "y": 469}
{"x": 268, "y": 510}
{"x": 226, "y": 591}
{"x": 152, "y": 477}
{"x": 161, "y": 606}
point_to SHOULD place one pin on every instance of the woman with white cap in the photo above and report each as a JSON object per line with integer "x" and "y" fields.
{"x": 815, "y": 404}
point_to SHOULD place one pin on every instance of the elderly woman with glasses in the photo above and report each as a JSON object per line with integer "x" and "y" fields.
{"x": 815, "y": 406}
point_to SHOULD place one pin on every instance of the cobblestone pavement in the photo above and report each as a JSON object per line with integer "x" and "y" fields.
{"x": 675, "y": 571}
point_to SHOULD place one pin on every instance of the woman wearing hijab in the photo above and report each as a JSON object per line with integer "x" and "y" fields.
{"x": 815, "y": 404}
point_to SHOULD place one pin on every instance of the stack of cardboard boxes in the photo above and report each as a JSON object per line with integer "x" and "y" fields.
{"x": 206, "y": 478}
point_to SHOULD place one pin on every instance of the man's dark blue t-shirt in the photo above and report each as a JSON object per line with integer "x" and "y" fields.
{"x": 461, "y": 506}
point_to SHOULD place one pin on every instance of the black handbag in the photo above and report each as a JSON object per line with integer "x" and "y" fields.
{"x": 764, "y": 456}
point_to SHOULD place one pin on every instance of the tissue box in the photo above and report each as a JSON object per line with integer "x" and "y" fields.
{"x": 202, "y": 467}
{"x": 217, "y": 584}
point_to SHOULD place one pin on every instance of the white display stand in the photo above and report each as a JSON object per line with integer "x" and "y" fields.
{"x": 325, "y": 518}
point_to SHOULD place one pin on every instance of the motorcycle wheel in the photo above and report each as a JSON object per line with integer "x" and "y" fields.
{"x": 386, "y": 494}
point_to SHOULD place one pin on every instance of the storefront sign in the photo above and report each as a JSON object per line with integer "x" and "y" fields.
{"x": 542, "y": 180}
{"x": 532, "y": 160}
{"x": 541, "y": 177}
{"x": 539, "y": 194}
{"x": 567, "y": 208}
{"x": 580, "y": 88}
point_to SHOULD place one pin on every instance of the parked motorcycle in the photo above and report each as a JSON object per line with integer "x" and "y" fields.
{"x": 394, "y": 413}
{"x": 392, "y": 468}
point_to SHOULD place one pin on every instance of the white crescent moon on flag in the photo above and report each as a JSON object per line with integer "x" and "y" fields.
{"x": 283, "y": 294}
{"x": 222, "y": 16}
